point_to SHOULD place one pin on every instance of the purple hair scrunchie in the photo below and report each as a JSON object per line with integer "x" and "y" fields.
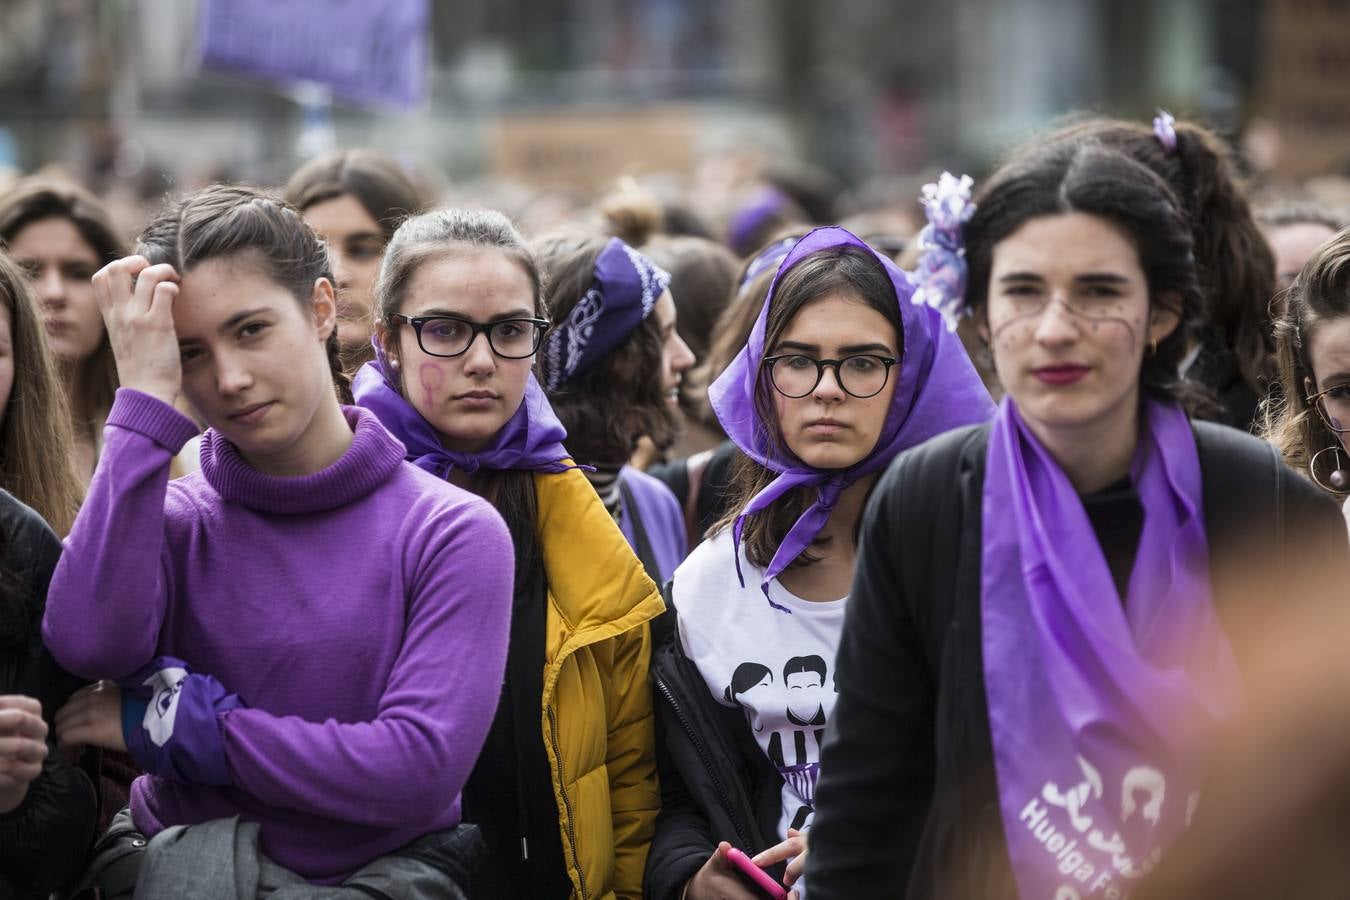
{"x": 1165, "y": 130}
{"x": 941, "y": 274}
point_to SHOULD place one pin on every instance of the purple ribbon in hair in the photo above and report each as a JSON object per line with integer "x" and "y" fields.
{"x": 942, "y": 267}
{"x": 626, "y": 287}
{"x": 1165, "y": 130}
{"x": 531, "y": 439}
{"x": 937, "y": 389}
{"x": 765, "y": 259}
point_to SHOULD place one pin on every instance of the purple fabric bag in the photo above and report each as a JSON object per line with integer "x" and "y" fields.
{"x": 1100, "y": 712}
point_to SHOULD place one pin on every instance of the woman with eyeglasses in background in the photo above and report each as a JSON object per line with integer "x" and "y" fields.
{"x": 1309, "y": 420}
{"x": 565, "y": 788}
{"x": 841, "y": 372}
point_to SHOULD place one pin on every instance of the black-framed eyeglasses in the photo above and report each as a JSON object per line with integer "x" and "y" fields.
{"x": 448, "y": 336}
{"x": 1333, "y": 405}
{"x": 861, "y": 375}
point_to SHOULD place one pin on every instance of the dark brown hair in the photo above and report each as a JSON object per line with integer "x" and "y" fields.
{"x": 1084, "y": 176}
{"x": 620, "y": 399}
{"x": 703, "y": 278}
{"x": 1319, "y": 293}
{"x": 35, "y": 437}
{"x": 729, "y": 335}
{"x": 37, "y": 198}
{"x": 233, "y": 220}
{"x": 433, "y": 235}
{"x": 1234, "y": 265}
{"x": 377, "y": 182}
{"x": 845, "y": 270}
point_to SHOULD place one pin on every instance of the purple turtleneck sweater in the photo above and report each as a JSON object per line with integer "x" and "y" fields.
{"x": 361, "y": 612}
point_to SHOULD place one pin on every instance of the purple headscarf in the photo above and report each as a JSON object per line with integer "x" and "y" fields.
{"x": 937, "y": 389}
{"x": 626, "y": 287}
{"x": 531, "y": 439}
{"x": 1100, "y": 711}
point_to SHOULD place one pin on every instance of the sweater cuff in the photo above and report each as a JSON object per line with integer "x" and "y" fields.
{"x": 153, "y": 418}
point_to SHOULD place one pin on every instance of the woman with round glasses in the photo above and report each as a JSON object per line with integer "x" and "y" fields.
{"x": 612, "y": 366}
{"x": 565, "y": 788}
{"x": 1311, "y": 424}
{"x": 1038, "y": 654}
{"x": 841, "y": 372}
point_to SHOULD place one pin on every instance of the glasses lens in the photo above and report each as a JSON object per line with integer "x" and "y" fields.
{"x": 863, "y": 376}
{"x": 445, "y": 337}
{"x": 515, "y": 338}
{"x": 1335, "y": 408}
{"x": 794, "y": 376}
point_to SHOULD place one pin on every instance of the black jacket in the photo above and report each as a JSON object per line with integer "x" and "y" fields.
{"x": 716, "y": 782}
{"x": 907, "y": 803}
{"x": 45, "y": 840}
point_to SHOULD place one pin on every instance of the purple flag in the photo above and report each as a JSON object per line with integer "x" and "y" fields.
{"x": 366, "y": 51}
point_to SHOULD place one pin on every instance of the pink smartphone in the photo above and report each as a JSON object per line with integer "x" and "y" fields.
{"x": 761, "y": 878}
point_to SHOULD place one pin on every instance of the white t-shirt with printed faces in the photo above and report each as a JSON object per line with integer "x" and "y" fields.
{"x": 776, "y": 666}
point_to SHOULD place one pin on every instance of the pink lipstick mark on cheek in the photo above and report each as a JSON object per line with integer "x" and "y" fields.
{"x": 432, "y": 380}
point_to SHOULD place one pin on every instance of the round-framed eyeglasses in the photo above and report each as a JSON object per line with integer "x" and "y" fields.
{"x": 861, "y": 375}
{"x": 1333, "y": 406}
{"x": 449, "y": 336}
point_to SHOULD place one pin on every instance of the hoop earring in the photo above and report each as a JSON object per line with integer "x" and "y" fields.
{"x": 1339, "y": 478}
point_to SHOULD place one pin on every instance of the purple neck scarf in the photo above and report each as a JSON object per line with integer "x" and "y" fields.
{"x": 531, "y": 439}
{"x": 1100, "y": 712}
{"x": 626, "y": 287}
{"x": 936, "y": 390}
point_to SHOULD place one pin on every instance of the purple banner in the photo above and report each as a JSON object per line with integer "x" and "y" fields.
{"x": 365, "y": 51}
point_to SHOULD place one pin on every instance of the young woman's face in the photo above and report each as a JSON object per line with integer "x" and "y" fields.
{"x": 676, "y": 357}
{"x": 467, "y": 398}
{"x": 61, "y": 263}
{"x": 254, "y": 363}
{"x": 6, "y": 358}
{"x": 1329, "y": 355}
{"x": 355, "y": 246}
{"x": 1069, "y": 320}
{"x": 829, "y": 428}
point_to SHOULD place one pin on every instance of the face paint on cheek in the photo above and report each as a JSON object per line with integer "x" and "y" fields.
{"x": 432, "y": 380}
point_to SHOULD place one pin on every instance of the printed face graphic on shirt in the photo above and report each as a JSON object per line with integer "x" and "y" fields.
{"x": 750, "y": 681}
{"x": 804, "y": 677}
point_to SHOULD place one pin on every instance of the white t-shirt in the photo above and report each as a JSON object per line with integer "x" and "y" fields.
{"x": 776, "y": 666}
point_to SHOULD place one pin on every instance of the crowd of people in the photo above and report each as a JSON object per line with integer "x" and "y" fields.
{"x": 358, "y": 544}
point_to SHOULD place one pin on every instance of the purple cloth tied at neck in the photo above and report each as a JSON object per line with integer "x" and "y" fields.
{"x": 626, "y": 287}
{"x": 531, "y": 439}
{"x": 1101, "y": 712}
{"x": 936, "y": 389}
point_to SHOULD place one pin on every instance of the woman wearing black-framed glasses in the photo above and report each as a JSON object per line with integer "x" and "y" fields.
{"x": 564, "y": 790}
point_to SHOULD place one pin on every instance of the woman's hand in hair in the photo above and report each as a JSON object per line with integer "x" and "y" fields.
{"x": 23, "y": 747}
{"x": 718, "y": 880}
{"x": 136, "y": 299}
{"x": 793, "y": 849}
{"x": 92, "y": 717}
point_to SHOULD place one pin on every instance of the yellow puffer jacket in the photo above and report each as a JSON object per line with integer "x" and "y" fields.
{"x": 597, "y": 703}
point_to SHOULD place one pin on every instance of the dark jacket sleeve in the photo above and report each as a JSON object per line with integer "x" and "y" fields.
{"x": 877, "y": 765}
{"x": 683, "y": 841}
{"x": 44, "y": 841}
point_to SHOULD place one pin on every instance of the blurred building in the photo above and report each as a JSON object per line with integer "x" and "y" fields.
{"x": 581, "y": 90}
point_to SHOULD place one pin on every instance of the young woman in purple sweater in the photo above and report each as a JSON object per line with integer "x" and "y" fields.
{"x": 309, "y": 633}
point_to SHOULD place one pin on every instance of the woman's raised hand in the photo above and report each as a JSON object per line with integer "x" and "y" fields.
{"x": 136, "y": 300}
